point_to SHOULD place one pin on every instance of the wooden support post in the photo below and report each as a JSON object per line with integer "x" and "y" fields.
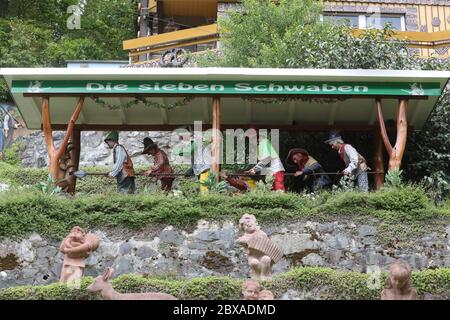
{"x": 216, "y": 138}
{"x": 378, "y": 160}
{"x": 395, "y": 152}
{"x": 57, "y": 155}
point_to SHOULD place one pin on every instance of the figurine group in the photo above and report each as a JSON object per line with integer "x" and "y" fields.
{"x": 261, "y": 252}
{"x": 308, "y": 169}
{"x": 251, "y": 290}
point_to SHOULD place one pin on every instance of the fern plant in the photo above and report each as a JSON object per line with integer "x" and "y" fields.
{"x": 265, "y": 186}
{"x": 346, "y": 184}
{"x": 49, "y": 187}
{"x": 394, "y": 179}
{"x": 212, "y": 184}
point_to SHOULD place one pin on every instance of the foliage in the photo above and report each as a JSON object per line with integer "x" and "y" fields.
{"x": 37, "y": 35}
{"x": 394, "y": 179}
{"x": 315, "y": 283}
{"x": 264, "y": 187}
{"x": 73, "y": 49}
{"x": 49, "y": 13}
{"x": 345, "y": 184}
{"x": 48, "y": 187}
{"x": 11, "y": 155}
{"x": 18, "y": 177}
{"x": 437, "y": 186}
{"x": 290, "y": 34}
{"x": 23, "y": 212}
{"x": 408, "y": 201}
{"x": 24, "y": 44}
{"x": 213, "y": 185}
{"x": 430, "y": 148}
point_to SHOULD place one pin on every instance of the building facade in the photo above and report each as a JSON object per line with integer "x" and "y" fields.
{"x": 192, "y": 24}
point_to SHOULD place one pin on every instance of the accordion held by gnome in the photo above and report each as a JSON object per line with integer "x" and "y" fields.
{"x": 261, "y": 242}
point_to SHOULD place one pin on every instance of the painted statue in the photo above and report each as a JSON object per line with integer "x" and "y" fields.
{"x": 123, "y": 169}
{"x": 102, "y": 285}
{"x": 161, "y": 165}
{"x": 262, "y": 252}
{"x": 269, "y": 162}
{"x": 308, "y": 170}
{"x": 77, "y": 246}
{"x": 356, "y": 164}
{"x": 265, "y": 295}
{"x": 398, "y": 283}
{"x": 251, "y": 290}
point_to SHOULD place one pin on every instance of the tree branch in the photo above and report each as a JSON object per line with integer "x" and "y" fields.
{"x": 383, "y": 131}
{"x": 70, "y": 127}
{"x": 402, "y": 130}
{"x": 47, "y": 126}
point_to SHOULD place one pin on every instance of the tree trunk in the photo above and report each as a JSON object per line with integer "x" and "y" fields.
{"x": 378, "y": 160}
{"x": 395, "y": 152}
{"x": 59, "y": 158}
{"x": 73, "y": 165}
{"x": 216, "y": 141}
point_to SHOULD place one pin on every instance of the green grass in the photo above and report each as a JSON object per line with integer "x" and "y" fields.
{"x": 325, "y": 282}
{"x": 26, "y": 211}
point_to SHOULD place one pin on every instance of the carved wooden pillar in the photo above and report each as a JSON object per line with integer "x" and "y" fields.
{"x": 216, "y": 138}
{"x": 378, "y": 160}
{"x": 395, "y": 152}
{"x": 59, "y": 156}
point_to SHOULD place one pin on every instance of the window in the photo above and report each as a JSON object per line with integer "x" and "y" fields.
{"x": 365, "y": 21}
{"x": 342, "y": 19}
{"x": 382, "y": 20}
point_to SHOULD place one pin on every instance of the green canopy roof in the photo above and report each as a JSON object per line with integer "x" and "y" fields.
{"x": 308, "y": 97}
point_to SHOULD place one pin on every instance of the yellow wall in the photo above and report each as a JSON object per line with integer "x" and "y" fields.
{"x": 425, "y": 15}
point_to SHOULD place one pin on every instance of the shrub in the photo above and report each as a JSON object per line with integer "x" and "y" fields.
{"x": 25, "y": 211}
{"x": 11, "y": 155}
{"x": 394, "y": 179}
{"x": 405, "y": 200}
{"x": 323, "y": 283}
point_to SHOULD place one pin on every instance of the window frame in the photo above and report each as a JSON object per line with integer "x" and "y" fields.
{"x": 363, "y": 17}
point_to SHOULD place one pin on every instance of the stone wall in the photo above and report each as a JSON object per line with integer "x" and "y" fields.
{"x": 210, "y": 249}
{"x": 93, "y": 150}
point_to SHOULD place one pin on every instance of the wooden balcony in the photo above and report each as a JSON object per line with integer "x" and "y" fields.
{"x": 426, "y": 41}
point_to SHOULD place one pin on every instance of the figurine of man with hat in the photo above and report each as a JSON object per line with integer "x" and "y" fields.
{"x": 161, "y": 164}
{"x": 306, "y": 167}
{"x": 356, "y": 164}
{"x": 122, "y": 169}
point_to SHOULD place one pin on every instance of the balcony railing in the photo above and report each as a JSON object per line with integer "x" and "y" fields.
{"x": 146, "y": 46}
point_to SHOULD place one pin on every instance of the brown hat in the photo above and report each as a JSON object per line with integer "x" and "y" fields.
{"x": 295, "y": 151}
{"x": 148, "y": 144}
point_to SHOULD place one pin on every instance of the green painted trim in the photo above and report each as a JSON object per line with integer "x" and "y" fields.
{"x": 229, "y": 87}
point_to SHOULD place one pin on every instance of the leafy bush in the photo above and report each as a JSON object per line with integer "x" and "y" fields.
{"x": 437, "y": 186}
{"x": 321, "y": 283}
{"x": 48, "y": 187}
{"x": 394, "y": 179}
{"x": 24, "y": 211}
{"x": 408, "y": 200}
{"x": 213, "y": 185}
{"x": 11, "y": 155}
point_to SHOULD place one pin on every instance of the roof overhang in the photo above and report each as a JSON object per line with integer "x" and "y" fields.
{"x": 309, "y": 97}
